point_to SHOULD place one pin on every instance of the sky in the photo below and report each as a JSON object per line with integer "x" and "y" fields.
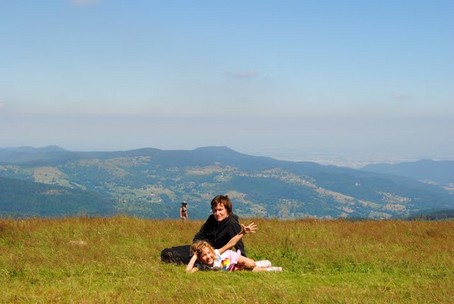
{"x": 345, "y": 82}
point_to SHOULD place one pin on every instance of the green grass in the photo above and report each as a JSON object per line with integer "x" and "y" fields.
{"x": 118, "y": 261}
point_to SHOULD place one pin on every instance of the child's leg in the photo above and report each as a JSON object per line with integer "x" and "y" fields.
{"x": 250, "y": 264}
{"x": 272, "y": 268}
{"x": 246, "y": 263}
{"x": 259, "y": 269}
{"x": 263, "y": 264}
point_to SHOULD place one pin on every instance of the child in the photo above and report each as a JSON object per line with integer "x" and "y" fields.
{"x": 224, "y": 258}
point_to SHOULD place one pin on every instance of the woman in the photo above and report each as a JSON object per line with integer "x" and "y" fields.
{"x": 184, "y": 211}
{"x": 219, "y": 228}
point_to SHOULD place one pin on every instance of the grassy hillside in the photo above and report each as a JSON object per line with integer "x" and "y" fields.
{"x": 116, "y": 260}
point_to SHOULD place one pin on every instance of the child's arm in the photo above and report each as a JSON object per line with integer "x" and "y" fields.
{"x": 190, "y": 267}
{"x": 244, "y": 230}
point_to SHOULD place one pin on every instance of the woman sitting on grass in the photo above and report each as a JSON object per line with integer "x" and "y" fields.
{"x": 218, "y": 229}
{"x": 225, "y": 258}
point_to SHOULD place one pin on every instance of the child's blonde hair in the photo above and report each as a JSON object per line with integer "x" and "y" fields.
{"x": 198, "y": 247}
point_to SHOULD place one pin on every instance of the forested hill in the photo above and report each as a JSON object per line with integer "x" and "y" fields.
{"x": 152, "y": 183}
{"x": 22, "y": 198}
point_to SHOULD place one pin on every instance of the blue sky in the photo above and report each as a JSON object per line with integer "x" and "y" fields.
{"x": 331, "y": 81}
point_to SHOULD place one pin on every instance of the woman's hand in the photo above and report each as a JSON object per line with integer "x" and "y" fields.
{"x": 251, "y": 228}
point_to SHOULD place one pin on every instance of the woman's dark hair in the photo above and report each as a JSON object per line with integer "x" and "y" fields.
{"x": 223, "y": 200}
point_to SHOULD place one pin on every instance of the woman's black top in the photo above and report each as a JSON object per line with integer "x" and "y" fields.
{"x": 219, "y": 233}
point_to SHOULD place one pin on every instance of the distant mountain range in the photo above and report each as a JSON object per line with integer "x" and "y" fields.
{"x": 429, "y": 171}
{"x": 53, "y": 182}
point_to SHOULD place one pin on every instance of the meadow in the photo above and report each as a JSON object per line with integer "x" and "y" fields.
{"x": 117, "y": 260}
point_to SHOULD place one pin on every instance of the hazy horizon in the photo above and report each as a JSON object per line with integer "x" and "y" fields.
{"x": 337, "y": 82}
{"x": 321, "y": 158}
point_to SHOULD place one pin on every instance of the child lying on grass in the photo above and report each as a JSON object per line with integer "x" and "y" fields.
{"x": 224, "y": 258}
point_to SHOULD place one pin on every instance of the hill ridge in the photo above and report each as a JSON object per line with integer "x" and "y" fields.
{"x": 150, "y": 182}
